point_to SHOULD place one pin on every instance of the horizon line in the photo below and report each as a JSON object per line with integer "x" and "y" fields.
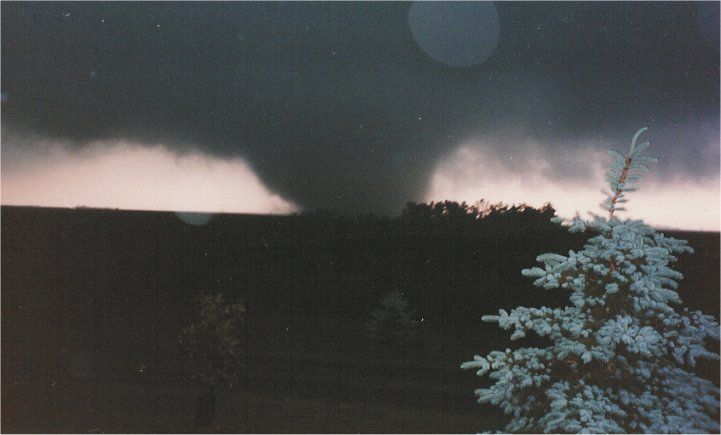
{"x": 293, "y": 214}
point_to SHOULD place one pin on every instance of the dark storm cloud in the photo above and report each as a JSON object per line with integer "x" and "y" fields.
{"x": 334, "y": 105}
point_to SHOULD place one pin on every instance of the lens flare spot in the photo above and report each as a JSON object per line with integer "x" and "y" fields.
{"x": 455, "y": 33}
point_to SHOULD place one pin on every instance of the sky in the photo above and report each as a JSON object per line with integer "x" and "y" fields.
{"x": 358, "y": 107}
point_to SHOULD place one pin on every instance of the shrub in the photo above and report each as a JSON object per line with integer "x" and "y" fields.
{"x": 393, "y": 320}
{"x": 621, "y": 356}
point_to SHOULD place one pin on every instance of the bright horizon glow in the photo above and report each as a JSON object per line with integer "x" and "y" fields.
{"x": 470, "y": 174}
{"x": 130, "y": 176}
{"x": 135, "y": 177}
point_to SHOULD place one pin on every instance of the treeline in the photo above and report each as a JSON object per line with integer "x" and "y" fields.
{"x": 481, "y": 212}
{"x": 454, "y": 213}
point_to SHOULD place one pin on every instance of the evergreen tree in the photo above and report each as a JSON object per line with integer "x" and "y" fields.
{"x": 622, "y": 354}
{"x": 212, "y": 342}
{"x": 212, "y": 346}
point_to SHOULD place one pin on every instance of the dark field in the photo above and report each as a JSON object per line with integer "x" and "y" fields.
{"x": 93, "y": 302}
